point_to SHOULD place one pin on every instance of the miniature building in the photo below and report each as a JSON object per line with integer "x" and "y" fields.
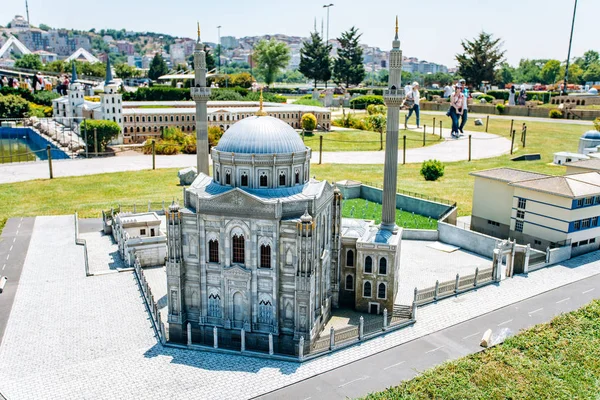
{"x": 140, "y": 235}
{"x": 577, "y": 167}
{"x": 542, "y": 210}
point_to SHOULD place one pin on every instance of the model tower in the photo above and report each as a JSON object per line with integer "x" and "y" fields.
{"x": 201, "y": 94}
{"x": 112, "y": 101}
{"x": 76, "y": 97}
{"x": 393, "y": 97}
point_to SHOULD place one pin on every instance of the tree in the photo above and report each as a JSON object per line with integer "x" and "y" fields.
{"x": 270, "y": 57}
{"x": 592, "y": 74}
{"x": 56, "y": 66}
{"x": 29, "y": 61}
{"x": 309, "y": 122}
{"x": 13, "y": 106}
{"x": 589, "y": 57}
{"x": 106, "y": 131}
{"x": 480, "y": 58}
{"x": 348, "y": 67}
{"x": 505, "y": 75}
{"x": 158, "y": 67}
{"x": 550, "y": 71}
{"x": 529, "y": 70}
{"x": 315, "y": 63}
{"x": 125, "y": 71}
{"x": 44, "y": 27}
{"x": 575, "y": 74}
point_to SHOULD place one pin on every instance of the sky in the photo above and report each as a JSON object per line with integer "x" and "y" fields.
{"x": 430, "y": 30}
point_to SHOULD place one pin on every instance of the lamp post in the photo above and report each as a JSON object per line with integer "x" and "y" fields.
{"x": 219, "y": 48}
{"x": 564, "y": 92}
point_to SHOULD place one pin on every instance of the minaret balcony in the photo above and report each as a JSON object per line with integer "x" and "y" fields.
{"x": 200, "y": 93}
{"x": 393, "y": 97}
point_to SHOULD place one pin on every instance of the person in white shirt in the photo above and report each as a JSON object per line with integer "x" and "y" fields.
{"x": 447, "y": 91}
{"x": 465, "y": 92}
{"x": 415, "y": 96}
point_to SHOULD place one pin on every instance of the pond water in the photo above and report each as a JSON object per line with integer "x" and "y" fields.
{"x": 25, "y": 144}
{"x": 16, "y": 150}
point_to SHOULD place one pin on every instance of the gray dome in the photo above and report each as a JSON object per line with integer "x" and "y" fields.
{"x": 591, "y": 135}
{"x": 261, "y": 135}
{"x": 593, "y": 91}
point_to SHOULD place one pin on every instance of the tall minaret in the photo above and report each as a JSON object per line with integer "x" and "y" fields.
{"x": 201, "y": 94}
{"x": 393, "y": 97}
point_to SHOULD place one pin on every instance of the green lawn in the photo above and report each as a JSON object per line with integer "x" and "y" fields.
{"x": 365, "y": 209}
{"x": 357, "y": 140}
{"x": 558, "y": 360}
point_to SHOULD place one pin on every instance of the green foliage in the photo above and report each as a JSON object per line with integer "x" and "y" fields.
{"x": 13, "y": 106}
{"x": 362, "y": 102}
{"x": 373, "y": 109}
{"x": 315, "y": 63}
{"x": 365, "y": 209}
{"x": 376, "y": 122}
{"x": 29, "y": 61}
{"x": 439, "y": 77}
{"x": 157, "y": 93}
{"x": 589, "y": 58}
{"x": 378, "y": 92}
{"x": 214, "y": 135}
{"x": 106, "y": 132}
{"x": 309, "y": 122}
{"x": 225, "y": 95}
{"x": 529, "y": 70}
{"x": 36, "y": 110}
{"x": 158, "y": 67}
{"x": 172, "y": 141}
{"x": 541, "y": 96}
{"x": 575, "y": 73}
{"x": 308, "y": 102}
{"x": 44, "y": 97}
{"x": 486, "y": 97}
{"x": 45, "y": 27}
{"x": 550, "y": 71}
{"x": 269, "y": 97}
{"x": 432, "y": 170}
{"x": 242, "y": 80}
{"x": 270, "y": 57}
{"x": 555, "y": 113}
{"x": 597, "y": 124}
{"x": 592, "y": 73}
{"x": 348, "y": 67}
{"x": 505, "y": 75}
{"x": 500, "y": 108}
{"x": 345, "y": 121}
{"x": 125, "y": 71}
{"x": 480, "y": 58}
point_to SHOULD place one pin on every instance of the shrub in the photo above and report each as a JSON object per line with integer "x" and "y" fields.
{"x": 270, "y": 97}
{"x": 362, "y": 102}
{"x": 225, "y": 95}
{"x": 487, "y": 98}
{"x": 106, "y": 132}
{"x": 309, "y": 102}
{"x": 376, "y": 122}
{"x": 44, "y": 98}
{"x": 189, "y": 144}
{"x": 13, "y": 106}
{"x": 158, "y": 93}
{"x": 93, "y": 99}
{"x": 500, "y": 108}
{"x": 361, "y": 124}
{"x": 346, "y": 121}
{"x": 214, "y": 135}
{"x": 35, "y": 110}
{"x": 432, "y": 170}
{"x": 309, "y": 122}
{"x": 597, "y": 124}
{"x": 376, "y": 109}
{"x": 555, "y": 113}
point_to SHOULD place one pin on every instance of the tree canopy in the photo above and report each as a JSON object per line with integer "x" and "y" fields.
{"x": 270, "y": 57}
{"x": 348, "y": 66}
{"x": 158, "y": 67}
{"x": 125, "y": 71}
{"x": 480, "y": 58}
{"x": 315, "y": 63}
{"x": 29, "y": 61}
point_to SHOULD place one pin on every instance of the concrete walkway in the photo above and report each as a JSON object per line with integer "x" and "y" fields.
{"x": 484, "y": 145}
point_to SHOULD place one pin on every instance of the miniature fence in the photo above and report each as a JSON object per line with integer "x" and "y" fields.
{"x": 462, "y": 284}
{"x": 152, "y": 306}
{"x": 82, "y": 242}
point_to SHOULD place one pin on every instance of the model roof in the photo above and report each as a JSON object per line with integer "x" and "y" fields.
{"x": 571, "y": 186}
{"x": 592, "y": 163}
{"x": 508, "y": 174}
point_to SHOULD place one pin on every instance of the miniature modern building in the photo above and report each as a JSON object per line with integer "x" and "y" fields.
{"x": 140, "y": 235}
{"x": 257, "y": 246}
{"x": 542, "y": 210}
{"x": 577, "y": 167}
{"x": 589, "y": 140}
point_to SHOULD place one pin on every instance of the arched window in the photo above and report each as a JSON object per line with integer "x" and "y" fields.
{"x": 113, "y": 100}
{"x": 382, "y": 266}
{"x": 281, "y": 179}
{"x": 368, "y": 265}
{"x": 214, "y": 305}
{"x": 350, "y": 258}
{"x": 154, "y": 118}
{"x": 367, "y": 289}
{"x": 171, "y": 118}
{"x": 227, "y": 178}
{"x": 177, "y": 118}
{"x": 143, "y": 129}
{"x": 349, "y": 282}
{"x": 220, "y": 118}
{"x": 227, "y": 117}
{"x": 265, "y": 312}
{"x": 160, "y": 118}
{"x": 244, "y": 179}
{"x": 143, "y": 119}
{"x": 297, "y": 177}
{"x": 137, "y": 129}
{"x": 263, "y": 180}
{"x": 381, "y": 291}
{"x": 238, "y": 249}
{"x": 213, "y": 251}
{"x": 217, "y": 175}
{"x": 137, "y": 119}
{"x": 265, "y": 256}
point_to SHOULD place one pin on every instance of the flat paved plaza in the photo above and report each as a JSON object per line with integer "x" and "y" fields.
{"x": 72, "y": 336}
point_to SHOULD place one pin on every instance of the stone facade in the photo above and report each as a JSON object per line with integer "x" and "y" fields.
{"x": 139, "y": 235}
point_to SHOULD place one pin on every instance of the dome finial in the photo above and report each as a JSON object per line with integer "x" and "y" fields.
{"x": 198, "y": 31}
{"x": 260, "y": 112}
{"x": 396, "y": 27}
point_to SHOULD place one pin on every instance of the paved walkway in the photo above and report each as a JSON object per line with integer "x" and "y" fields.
{"x": 69, "y": 336}
{"x": 484, "y": 146}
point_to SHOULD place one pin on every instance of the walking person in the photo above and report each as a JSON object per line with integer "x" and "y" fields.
{"x": 464, "y": 116}
{"x": 415, "y": 96}
{"x": 511, "y": 96}
{"x": 447, "y": 91}
{"x": 4, "y": 81}
{"x": 522, "y": 96}
{"x": 456, "y": 108}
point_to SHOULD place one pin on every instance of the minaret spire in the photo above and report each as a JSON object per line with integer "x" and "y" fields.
{"x": 73, "y": 73}
{"x": 396, "y": 37}
{"x": 198, "y": 40}
{"x": 201, "y": 94}
{"x": 260, "y": 112}
{"x": 109, "y": 77}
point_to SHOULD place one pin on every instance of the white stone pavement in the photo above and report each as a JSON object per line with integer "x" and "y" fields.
{"x": 74, "y": 337}
{"x": 484, "y": 146}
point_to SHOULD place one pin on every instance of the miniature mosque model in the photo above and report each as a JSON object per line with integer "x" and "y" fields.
{"x": 261, "y": 246}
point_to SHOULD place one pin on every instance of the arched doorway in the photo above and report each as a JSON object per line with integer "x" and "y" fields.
{"x": 239, "y": 311}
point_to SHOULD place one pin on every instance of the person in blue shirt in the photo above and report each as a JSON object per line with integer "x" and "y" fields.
{"x": 464, "y": 116}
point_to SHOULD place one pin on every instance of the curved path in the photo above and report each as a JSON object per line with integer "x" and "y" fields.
{"x": 484, "y": 145}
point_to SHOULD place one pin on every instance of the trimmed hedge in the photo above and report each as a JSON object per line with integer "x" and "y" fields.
{"x": 158, "y": 93}
{"x": 364, "y": 91}
{"x": 361, "y": 102}
{"x": 541, "y": 96}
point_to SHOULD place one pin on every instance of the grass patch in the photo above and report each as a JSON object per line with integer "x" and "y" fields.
{"x": 359, "y": 140}
{"x": 365, "y": 209}
{"x": 557, "y": 360}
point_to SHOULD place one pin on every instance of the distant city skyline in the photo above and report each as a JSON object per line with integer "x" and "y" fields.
{"x": 429, "y": 30}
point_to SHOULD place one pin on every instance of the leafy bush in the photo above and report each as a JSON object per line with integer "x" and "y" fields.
{"x": 358, "y": 91}
{"x": 309, "y": 122}
{"x": 242, "y": 79}
{"x": 555, "y": 113}
{"x": 376, "y": 122}
{"x": 487, "y": 98}
{"x": 225, "y": 95}
{"x": 346, "y": 121}
{"x": 35, "y": 110}
{"x": 189, "y": 144}
{"x": 270, "y": 97}
{"x": 597, "y": 124}
{"x": 13, "y": 106}
{"x": 373, "y": 109}
{"x": 44, "y": 98}
{"x": 500, "y": 108}
{"x": 309, "y": 102}
{"x": 214, "y": 135}
{"x": 106, "y": 132}
{"x": 93, "y": 99}
{"x": 361, "y": 102}
{"x": 158, "y": 93}
{"x": 541, "y": 96}
{"x": 432, "y": 170}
